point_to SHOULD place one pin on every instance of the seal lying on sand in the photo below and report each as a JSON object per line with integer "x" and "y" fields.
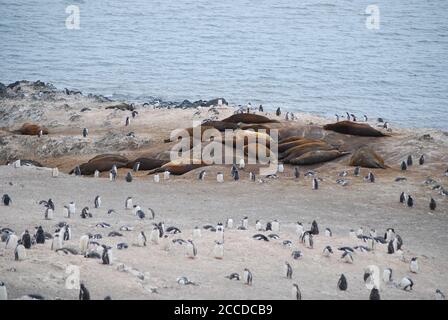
{"x": 122, "y": 106}
{"x": 109, "y": 157}
{"x": 367, "y": 158}
{"x": 257, "y": 150}
{"x": 248, "y": 118}
{"x": 300, "y": 150}
{"x": 220, "y": 125}
{"x": 353, "y": 128}
{"x": 317, "y": 156}
{"x": 248, "y": 136}
{"x": 30, "y": 129}
{"x": 291, "y": 139}
{"x": 283, "y": 147}
{"x": 102, "y": 162}
{"x": 146, "y": 163}
{"x": 179, "y": 167}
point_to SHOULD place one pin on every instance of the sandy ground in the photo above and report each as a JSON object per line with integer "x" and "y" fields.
{"x": 185, "y": 202}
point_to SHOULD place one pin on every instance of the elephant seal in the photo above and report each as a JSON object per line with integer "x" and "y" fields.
{"x": 283, "y": 147}
{"x": 367, "y": 158}
{"x": 190, "y": 133}
{"x": 291, "y": 139}
{"x": 256, "y": 128}
{"x": 30, "y": 129}
{"x": 300, "y": 146}
{"x": 179, "y": 167}
{"x": 300, "y": 150}
{"x": 109, "y": 157}
{"x": 354, "y": 129}
{"x": 89, "y": 168}
{"x": 147, "y": 163}
{"x": 317, "y": 156}
{"x": 122, "y": 106}
{"x": 220, "y": 125}
{"x": 260, "y": 150}
{"x": 248, "y": 118}
{"x": 249, "y": 136}
{"x": 26, "y": 162}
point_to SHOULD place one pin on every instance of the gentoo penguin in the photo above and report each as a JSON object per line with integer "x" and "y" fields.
{"x": 252, "y": 176}
{"x": 357, "y": 171}
{"x": 129, "y": 177}
{"x": 260, "y": 108}
{"x": 347, "y": 257}
{"x": 413, "y": 265}
{"x": 201, "y": 175}
{"x": 233, "y": 276}
{"x": 387, "y": 275}
{"x": 97, "y": 202}
{"x": 275, "y": 226}
{"x": 85, "y": 213}
{"x": 337, "y": 117}
{"x": 236, "y": 175}
{"x": 288, "y": 271}
{"x": 360, "y": 232}
{"x": 278, "y": 112}
{"x": 220, "y": 177}
{"x": 296, "y": 254}
{"x": 191, "y": 250}
{"x": 3, "y": 291}
{"x": 71, "y": 209}
{"x": 142, "y": 239}
{"x": 242, "y": 164}
{"x": 196, "y": 233}
{"x": 48, "y": 214}
{"x": 165, "y": 242}
{"x": 258, "y": 226}
{"x": 406, "y": 283}
{"x": 57, "y": 242}
{"x": 229, "y": 223}
{"x": 40, "y": 235}
{"x": 66, "y": 212}
{"x": 327, "y": 251}
{"x": 404, "y": 166}
{"x": 410, "y": 201}
{"x": 112, "y": 175}
{"x": 245, "y": 223}
{"x": 166, "y": 175}
{"x": 389, "y": 235}
{"x": 128, "y": 203}
{"x": 439, "y": 295}
{"x": 315, "y": 184}
{"x": 421, "y": 161}
{"x": 107, "y": 255}
{"x": 432, "y": 204}
{"x": 409, "y": 161}
{"x": 136, "y": 208}
{"x": 83, "y": 293}
{"x": 365, "y": 118}
{"x": 26, "y": 240}
{"x": 342, "y": 283}
{"x": 78, "y": 171}
{"x": 220, "y": 232}
{"x": 299, "y": 229}
{"x": 134, "y": 113}
{"x": 84, "y": 244}
{"x": 281, "y": 168}
{"x": 328, "y": 232}
{"x": 154, "y": 236}
{"x": 307, "y": 239}
{"x": 85, "y": 132}
{"x": 374, "y": 294}
{"x": 371, "y": 177}
{"x": 11, "y": 241}
{"x": 314, "y": 228}
{"x": 127, "y": 122}
{"x": 296, "y": 173}
{"x": 6, "y": 200}
{"x": 96, "y": 174}
{"x": 136, "y": 166}
{"x": 218, "y": 250}
{"x": 19, "y": 253}
{"x": 296, "y": 294}
{"x": 402, "y": 197}
{"x": 247, "y": 276}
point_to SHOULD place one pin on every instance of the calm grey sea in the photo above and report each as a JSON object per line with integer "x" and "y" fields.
{"x": 303, "y": 55}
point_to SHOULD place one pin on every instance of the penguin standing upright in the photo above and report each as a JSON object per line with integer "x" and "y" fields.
{"x": 278, "y": 112}
{"x": 229, "y": 223}
{"x": 247, "y": 276}
{"x": 154, "y": 236}
{"x": 84, "y": 244}
{"x": 218, "y": 250}
{"x": 409, "y": 161}
{"x": 315, "y": 184}
{"x": 40, "y": 235}
{"x": 19, "y": 252}
{"x": 410, "y": 201}
{"x": 201, "y": 175}
{"x": 402, "y": 197}
{"x": 357, "y": 171}
{"x": 328, "y": 232}
{"x": 78, "y": 171}
{"x": 26, "y": 240}
{"x": 191, "y": 249}
{"x": 107, "y": 255}
{"x": 136, "y": 166}
{"x": 196, "y": 233}
{"x": 288, "y": 270}
{"x": 220, "y": 232}
{"x": 296, "y": 173}
{"x": 220, "y": 177}
{"x": 413, "y": 265}
{"x": 128, "y": 203}
{"x": 71, "y": 209}
{"x": 242, "y": 164}
{"x": 421, "y": 161}
{"x": 11, "y": 241}
{"x": 129, "y": 177}
{"x": 83, "y": 293}
{"x": 432, "y": 204}
{"x": 342, "y": 283}
{"x": 97, "y": 202}
{"x": 387, "y": 275}
{"x": 374, "y": 294}
{"x": 6, "y": 200}
{"x": 404, "y": 166}
{"x": 314, "y": 228}
{"x": 3, "y": 291}
{"x": 57, "y": 242}
{"x": 85, "y": 132}
{"x": 128, "y": 121}
{"x": 48, "y": 214}
{"x": 296, "y": 294}
{"x": 245, "y": 223}
{"x": 142, "y": 239}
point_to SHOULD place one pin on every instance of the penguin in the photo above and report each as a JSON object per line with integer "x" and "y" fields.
{"x": 107, "y": 255}
{"x": 315, "y": 184}
{"x": 128, "y": 203}
{"x": 365, "y": 118}
{"x": 220, "y": 177}
{"x": 296, "y": 254}
{"x": 166, "y": 175}
{"x": 78, "y": 171}
{"x": 371, "y": 177}
{"x": 196, "y": 233}
{"x": 347, "y": 257}
{"x": 242, "y": 164}
{"x": 404, "y": 166}
{"x": 112, "y": 175}
{"x": 288, "y": 271}
{"x": 275, "y": 226}
{"x": 307, "y": 239}
{"x": 229, "y": 223}
{"x": 220, "y": 233}
{"x": 129, "y": 177}
{"x": 421, "y": 161}
{"x": 410, "y": 201}
{"x": 413, "y": 265}
{"x": 142, "y": 239}
{"x": 134, "y": 113}
{"x": 299, "y": 229}
{"x": 6, "y": 200}
{"x": 374, "y": 294}
{"x": 296, "y": 173}
{"x": 245, "y": 223}
{"x": 40, "y": 235}
{"x": 439, "y": 294}
{"x": 328, "y": 232}
{"x": 19, "y": 252}
{"x": 327, "y": 251}
{"x": 280, "y": 168}
{"x": 201, "y": 175}
{"x": 71, "y": 209}
{"x": 48, "y": 214}
{"x": 83, "y": 293}
{"x": 57, "y": 243}
{"x": 26, "y": 240}
{"x": 85, "y": 132}
{"x": 357, "y": 171}
{"x": 387, "y": 275}
{"x": 258, "y": 226}
{"x": 97, "y": 202}
{"x": 406, "y": 283}
{"x": 154, "y": 236}
{"x": 218, "y": 250}
{"x": 432, "y": 204}
{"x": 127, "y": 122}
{"x": 409, "y": 161}
{"x": 85, "y": 213}
{"x": 314, "y": 228}
{"x": 278, "y": 112}
{"x": 11, "y": 241}
{"x": 389, "y": 235}
{"x": 360, "y": 232}
{"x": 337, "y": 117}
{"x": 84, "y": 242}
{"x": 165, "y": 242}
{"x": 236, "y": 176}
{"x": 3, "y": 291}
{"x": 66, "y": 233}
{"x": 96, "y": 174}
{"x": 247, "y": 276}
{"x": 252, "y": 176}
{"x": 260, "y": 108}
{"x": 40, "y": 133}
{"x": 402, "y": 197}
{"x": 342, "y": 283}
{"x": 191, "y": 250}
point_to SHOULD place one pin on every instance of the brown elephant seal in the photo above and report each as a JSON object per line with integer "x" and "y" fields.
{"x": 300, "y": 150}
{"x": 354, "y": 129}
{"x": 220, "y": 125}
{"x": 189, "y": 132}
{"x": 147, "y": 163}
{"x": 245, "y": 137}
{"x": 122, "y": 106}
{"x": 367, "y": 158}
{"x": 291, "y": 139}
{"x": 110, "y": 157}
{"x": 256, "y": 128}
{"x": 89, "y": 168}
{"x": 179, "y": 167}
{"x": 300, "y": 146}
{"x": 30, "y": 129}
{"x": 317, "y": 156}
{"x": 257, "y": 150}
{"x": 283, "y": 147}
{"x": 248, "y": 118}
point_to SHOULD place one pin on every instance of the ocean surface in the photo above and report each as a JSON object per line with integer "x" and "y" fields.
{"x": 307, "y": 56}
